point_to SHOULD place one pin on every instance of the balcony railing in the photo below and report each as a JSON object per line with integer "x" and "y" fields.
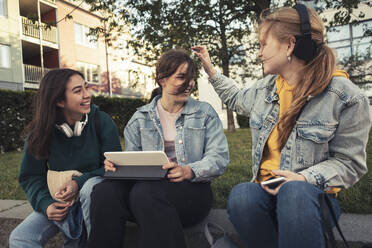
{"x": 32, "y": 29}
{"x": 33, "y": 74}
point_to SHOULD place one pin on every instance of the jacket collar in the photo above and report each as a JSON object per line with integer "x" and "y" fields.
{"x": 271, "y": 87}
{"x": 190, "y": 107}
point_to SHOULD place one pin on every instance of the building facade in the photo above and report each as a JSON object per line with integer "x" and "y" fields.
{"x": 39, "y": 35}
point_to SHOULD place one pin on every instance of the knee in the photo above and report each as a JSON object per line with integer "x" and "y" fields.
{"x": 294, "y": 190}
{"x": 145, "y": 194}
{"x": 242, "y": 198}
{"x": 299, "y": 194}
{"x": 103, "y": 194}
{"x": 15, "y": 238}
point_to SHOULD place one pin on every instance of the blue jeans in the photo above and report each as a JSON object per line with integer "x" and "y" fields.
{"x": 37, "y": 229}
{"x": 290, "y": 219}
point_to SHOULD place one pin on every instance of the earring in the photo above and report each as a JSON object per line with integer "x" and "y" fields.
{"x": 289, "y": 59}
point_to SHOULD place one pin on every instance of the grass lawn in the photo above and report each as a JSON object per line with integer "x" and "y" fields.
{"x": 357, "y": 199}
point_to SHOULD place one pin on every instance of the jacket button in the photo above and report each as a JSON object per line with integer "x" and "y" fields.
{"x": 180, "y": 142}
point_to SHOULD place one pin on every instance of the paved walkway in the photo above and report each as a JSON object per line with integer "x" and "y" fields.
{"x": 355, "y": 227}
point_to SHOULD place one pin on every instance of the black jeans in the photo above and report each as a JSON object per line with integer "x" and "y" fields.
{"x": 160, "y": 208}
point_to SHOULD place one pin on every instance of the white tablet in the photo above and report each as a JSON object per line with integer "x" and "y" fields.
{"x": 137, "y": 158}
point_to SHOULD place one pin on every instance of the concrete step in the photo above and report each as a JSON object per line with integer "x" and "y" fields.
{"x": 356, "y": 227}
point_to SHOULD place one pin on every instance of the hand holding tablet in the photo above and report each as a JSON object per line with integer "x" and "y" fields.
{"x": 137, "y": 165}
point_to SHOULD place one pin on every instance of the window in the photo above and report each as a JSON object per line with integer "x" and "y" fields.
{"x": 4, "y": 56}
{"x": 81, "y": 37}
{"x": 348, "y": 39}
{"x": 2, "y": 8}
{"x": 90, "y": 72}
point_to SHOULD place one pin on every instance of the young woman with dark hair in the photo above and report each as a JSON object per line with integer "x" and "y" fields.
{"x": 309, "y": 124}
{"x": 62, "y": 136}
{"x": 191, "y": 135}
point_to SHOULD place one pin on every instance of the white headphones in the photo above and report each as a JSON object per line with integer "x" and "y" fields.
{"x": 78, "y": 128}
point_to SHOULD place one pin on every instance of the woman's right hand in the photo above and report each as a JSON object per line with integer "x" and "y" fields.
{"x": 109, "y": 166}
{"x": 203, "y": 55}
{"x": 57, "y": 211}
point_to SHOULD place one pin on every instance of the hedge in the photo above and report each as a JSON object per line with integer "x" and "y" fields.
{"x": 16, "y": 109}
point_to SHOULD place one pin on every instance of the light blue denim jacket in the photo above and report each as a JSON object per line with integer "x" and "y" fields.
{"x": 327, "y": 144}
{"x": 200, "y": 141}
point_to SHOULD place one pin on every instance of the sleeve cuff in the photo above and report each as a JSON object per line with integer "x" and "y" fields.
{"x": 45, "y": 204}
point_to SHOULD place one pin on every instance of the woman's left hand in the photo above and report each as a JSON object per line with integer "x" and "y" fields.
{"x": 68, "y": 192}
{"x": 178, "y": 173}
{"x": 289, "y": 176}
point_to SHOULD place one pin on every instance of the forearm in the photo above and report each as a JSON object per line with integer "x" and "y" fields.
{"x": 87, "y": 175}
{"x": 236, "y": 99}
{"x": 334, "y": 172}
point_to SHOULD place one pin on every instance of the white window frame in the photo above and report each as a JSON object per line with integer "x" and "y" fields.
{"x": 81, "y": 38}
{"x": 5, "y": 61}
{"x": 87, "y": 70}
{"x": 348, "y": 43}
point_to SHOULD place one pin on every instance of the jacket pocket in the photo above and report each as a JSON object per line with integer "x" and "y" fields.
{"x": 194, "y": 143}
{"x": 312, "y": 143}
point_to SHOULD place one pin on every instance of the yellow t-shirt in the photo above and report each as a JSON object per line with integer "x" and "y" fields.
{"x": 271, "y": 156}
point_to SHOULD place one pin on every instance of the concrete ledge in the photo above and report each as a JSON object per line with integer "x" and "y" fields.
{"x": 356, "y": 227}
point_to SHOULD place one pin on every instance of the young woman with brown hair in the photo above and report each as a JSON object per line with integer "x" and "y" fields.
{"x": 191, "y": 134}
{"x": 62, "y": 137}
{"x": 309, "y": 124}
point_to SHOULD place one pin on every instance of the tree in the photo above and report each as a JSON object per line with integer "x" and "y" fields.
{"x": 222, "y": 25}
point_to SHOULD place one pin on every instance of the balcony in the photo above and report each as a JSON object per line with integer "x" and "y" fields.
{"x": 33, "y": 75}
{"x": 31, "y": 29}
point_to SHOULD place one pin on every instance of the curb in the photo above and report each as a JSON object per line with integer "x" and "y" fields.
{"x": 355, "y": 227}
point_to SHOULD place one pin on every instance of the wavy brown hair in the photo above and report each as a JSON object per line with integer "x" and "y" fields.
{"x": 283, "y": 24}
{"x": 38, "y": 132}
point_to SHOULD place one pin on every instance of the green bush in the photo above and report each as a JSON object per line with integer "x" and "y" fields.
{"x": 120, "y": 109}
{"x": 16, "y": 112}
{"x": 243, "y": 121}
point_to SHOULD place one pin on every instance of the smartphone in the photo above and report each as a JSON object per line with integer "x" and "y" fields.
{"x": 273, "y": 183}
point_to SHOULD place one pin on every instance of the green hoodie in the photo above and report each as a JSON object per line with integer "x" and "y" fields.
{"x": 83, "y": 153}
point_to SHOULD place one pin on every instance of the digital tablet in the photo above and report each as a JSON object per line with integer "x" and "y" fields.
{"x": 137, "y": 165}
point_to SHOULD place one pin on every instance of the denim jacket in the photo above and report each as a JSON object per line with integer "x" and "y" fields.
{"x": 200, "y": 141}
{"x": 328, "y": 142}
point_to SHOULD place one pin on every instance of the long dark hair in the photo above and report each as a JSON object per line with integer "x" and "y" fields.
{"x": 52, "y": 89}
{"x": 168, "y": 64}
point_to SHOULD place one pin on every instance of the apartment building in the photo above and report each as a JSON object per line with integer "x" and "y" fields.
{"x": 10, "y": 46}
{"x": 36, "y": 36}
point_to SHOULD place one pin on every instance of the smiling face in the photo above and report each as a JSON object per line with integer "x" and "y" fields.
{"x": 77, "y": 99}
{"x": 273, "y": 53}
{"x": 172, "y": 84}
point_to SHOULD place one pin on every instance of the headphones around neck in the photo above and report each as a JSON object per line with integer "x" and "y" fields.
{"x": 78, "y": 128}
{"x": 305, "y": 48}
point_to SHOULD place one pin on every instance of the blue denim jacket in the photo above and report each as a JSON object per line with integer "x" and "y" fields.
{"x": 327, "y": 144}
{"x": 200, "y": 141}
